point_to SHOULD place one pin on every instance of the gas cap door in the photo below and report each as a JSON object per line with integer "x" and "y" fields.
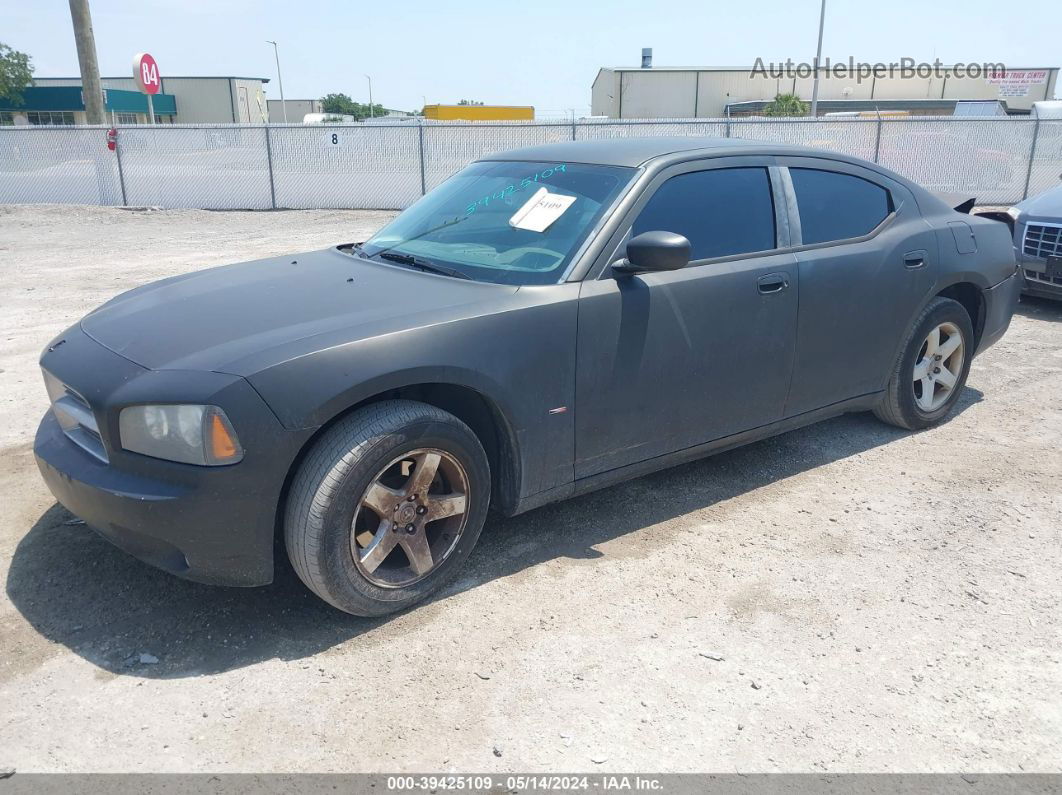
{"x": 965, "y": 242}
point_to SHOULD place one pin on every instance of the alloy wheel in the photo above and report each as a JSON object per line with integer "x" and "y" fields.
{"x": 938, "y": 366}
{"x": 410, "y": 518}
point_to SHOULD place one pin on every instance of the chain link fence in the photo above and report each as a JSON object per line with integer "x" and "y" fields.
{"x": 389, "y": 166}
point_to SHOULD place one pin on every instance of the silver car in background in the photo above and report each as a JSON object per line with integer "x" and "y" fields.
{"x": 1038, "y": 242}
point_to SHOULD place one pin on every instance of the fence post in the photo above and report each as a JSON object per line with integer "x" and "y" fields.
{"x": 269, "y": 160}
{"x": 877, "y": 140}
{"x": 1032, "y": 158}
{"x": 420, "y": 144}
{"x": 573, "y": 126}
{"x": 728, "y": 124}
{"x": 121, "y": 176}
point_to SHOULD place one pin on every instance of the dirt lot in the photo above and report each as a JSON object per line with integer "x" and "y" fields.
{"x": 847, "y": 597}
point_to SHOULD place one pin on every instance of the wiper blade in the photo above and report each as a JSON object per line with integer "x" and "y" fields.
{"x": 422, "y": 264}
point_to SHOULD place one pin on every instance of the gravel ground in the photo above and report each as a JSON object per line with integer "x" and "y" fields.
{"x": 847, "y": 597}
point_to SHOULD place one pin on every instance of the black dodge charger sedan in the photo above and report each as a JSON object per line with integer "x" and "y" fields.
{"x": 548, "y": 321}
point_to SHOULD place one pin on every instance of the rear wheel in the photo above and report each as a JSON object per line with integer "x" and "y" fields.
{"x": 386, "y": 506}
{"x": 932, "y": 367}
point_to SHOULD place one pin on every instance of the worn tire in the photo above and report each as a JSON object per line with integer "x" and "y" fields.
{"x": 898, "y": 405}
{"x": 334, "y": 475}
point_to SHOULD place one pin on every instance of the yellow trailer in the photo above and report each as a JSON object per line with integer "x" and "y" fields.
{"x": 479, "y": 112}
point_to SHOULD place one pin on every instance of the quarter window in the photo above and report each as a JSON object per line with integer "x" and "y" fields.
{"x": 722, "y": 211}
{"x": 835, "y": 206}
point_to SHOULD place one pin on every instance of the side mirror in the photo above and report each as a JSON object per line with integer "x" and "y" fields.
{"x": 654, "y": 251}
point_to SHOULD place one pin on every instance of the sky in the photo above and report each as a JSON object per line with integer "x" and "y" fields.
{"x": 544, "y": 53}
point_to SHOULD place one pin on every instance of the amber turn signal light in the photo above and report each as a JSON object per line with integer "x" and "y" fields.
{"x": 222, "y": 446}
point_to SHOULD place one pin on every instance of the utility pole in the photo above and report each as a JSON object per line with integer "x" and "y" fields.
{"x": 818, "y": 57}
{"x": 371, "y": 112}
{"x": 86, "y": 58}
{"x": 280, "y": 80}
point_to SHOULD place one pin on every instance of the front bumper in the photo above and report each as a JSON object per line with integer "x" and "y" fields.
{"x": 1038, "y": 283}
{"x": 213, "y": 525}
{"x": 1000, "y": 303}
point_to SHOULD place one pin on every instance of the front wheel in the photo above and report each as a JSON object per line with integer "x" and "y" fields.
{"x": 932, "y": 367}
{"x": 386, "y": 506}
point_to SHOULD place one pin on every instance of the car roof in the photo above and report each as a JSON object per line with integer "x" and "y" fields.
{"x": 663, "y": 151}
{"x": 634, "y": 152}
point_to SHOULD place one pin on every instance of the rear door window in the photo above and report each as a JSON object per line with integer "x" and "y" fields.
{"x": 722, "y": 211}
{"x": 835, "y": 206}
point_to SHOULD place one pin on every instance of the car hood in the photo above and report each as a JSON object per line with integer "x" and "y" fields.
{"x": 220, "y": 319}
{"x": 1045, "y": 206}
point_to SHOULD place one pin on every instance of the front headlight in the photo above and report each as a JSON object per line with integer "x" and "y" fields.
{"x": 189, "y": 434}
{"x": 1013, "y": 212}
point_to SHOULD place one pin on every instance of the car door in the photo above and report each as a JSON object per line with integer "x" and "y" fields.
{"x": 670, "y": 360}
{"x": 865, "y": 259}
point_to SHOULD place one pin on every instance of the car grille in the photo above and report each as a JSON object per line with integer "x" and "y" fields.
{"x": 1043, "y": 240}
{"x": 75, "y": 417}
{"x": 1043, "y": 278}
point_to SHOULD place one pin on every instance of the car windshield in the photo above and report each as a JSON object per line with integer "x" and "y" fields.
{"x": 510, "y": 222}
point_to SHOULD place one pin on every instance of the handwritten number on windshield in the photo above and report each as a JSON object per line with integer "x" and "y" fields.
{"x": 508, "y": 190}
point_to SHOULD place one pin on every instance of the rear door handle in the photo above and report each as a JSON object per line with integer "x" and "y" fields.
{"x": 914, "y": 259}
{"x": 772, "y": 283}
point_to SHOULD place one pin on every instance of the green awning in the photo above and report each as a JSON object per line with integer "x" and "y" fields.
{"x": 69, "y": 98}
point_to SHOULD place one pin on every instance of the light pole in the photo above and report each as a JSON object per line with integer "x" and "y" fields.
{"x": 283, "y": 105}
{"x": 371, "y": 113}
{"x": 818, "y": 57}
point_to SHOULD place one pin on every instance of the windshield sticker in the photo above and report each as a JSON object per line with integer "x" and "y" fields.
{"x": 509, "y": 190}
{"x": 541, "y": 210}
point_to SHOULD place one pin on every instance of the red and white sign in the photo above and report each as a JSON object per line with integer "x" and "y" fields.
{"x": 146, "y": 74}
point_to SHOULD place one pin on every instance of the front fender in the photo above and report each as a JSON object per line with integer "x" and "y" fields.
{"x": 520, "y": 360}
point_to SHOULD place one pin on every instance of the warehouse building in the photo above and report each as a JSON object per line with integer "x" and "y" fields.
{"x": 184, "y": 100}
{"x": 718, "y": 91}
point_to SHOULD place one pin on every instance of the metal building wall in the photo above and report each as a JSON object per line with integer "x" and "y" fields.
{"x": 717, "y": 89}
{"x": 256, "y": 111}
{"x": 604, "y": 94}
{"x": 297, "y": 108}
{"x": 647, "y": 95}
{"x": 206, "y": 100}
{"x": 671, "y": 93}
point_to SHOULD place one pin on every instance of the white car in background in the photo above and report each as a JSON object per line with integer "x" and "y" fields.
{"x": 328, "y": 118}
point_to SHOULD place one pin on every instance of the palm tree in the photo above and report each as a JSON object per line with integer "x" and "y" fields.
{"x": 786, "y": 105}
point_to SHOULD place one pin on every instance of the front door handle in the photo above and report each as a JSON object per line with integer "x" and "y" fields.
{"x": 772, "y": 283}
{"x": 914, "y": 259}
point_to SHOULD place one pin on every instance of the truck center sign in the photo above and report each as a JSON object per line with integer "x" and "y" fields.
{"x": 146, "y": 74}
{"x": 1017, "y": 82}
